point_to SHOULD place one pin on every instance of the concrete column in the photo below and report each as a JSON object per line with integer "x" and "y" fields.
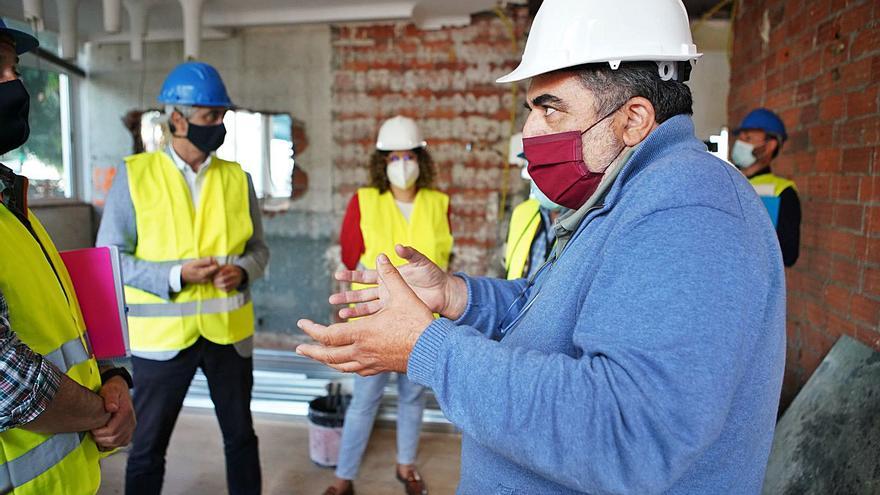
{"x": 67, "y": 27}
{"x": 192, "y": 27}
{"x": 33, "y": 13}
{"x": 137, "y": 18}
{"x": 112, "y": 15}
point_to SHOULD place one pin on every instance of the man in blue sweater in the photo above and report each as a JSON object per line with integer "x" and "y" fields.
{"x": 647, "y": 355}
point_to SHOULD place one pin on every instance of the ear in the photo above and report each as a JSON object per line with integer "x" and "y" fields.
{"x": 640, "y": 120}
{"x": 179, "y": 124}
{"x": 771, "y": 146}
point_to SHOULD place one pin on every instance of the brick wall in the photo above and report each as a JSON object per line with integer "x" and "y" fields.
{"x": 444, "y": 80}
{"x": 817, "y": 63}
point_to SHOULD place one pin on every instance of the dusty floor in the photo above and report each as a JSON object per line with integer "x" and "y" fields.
{"x": 195, "y": 460}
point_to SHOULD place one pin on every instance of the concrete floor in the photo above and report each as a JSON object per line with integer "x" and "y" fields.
{"x": 195, "y": 463}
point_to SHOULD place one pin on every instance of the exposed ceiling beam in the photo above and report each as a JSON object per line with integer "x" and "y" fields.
{"x": 157, "y": 35}
{"x": 294, "y": 15}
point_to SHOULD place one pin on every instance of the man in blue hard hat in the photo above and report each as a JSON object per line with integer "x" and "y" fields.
{"x": 759, "y": 139}
{"x": 59, "y": 407}
{"x": 188, "y": 225}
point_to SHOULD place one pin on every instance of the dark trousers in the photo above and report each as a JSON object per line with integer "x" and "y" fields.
{"x": 159, "y": 390}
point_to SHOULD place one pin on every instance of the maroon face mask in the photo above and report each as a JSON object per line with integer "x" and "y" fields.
{"x": 556, "y": 165}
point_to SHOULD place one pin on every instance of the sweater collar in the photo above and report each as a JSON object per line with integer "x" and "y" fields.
{"x": 676, "y": 132}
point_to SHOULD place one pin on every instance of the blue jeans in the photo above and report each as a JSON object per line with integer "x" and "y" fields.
{"x": 361, "y": 414}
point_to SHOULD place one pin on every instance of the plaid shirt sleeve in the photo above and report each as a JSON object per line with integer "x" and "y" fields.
{"x": 27, "y": 381}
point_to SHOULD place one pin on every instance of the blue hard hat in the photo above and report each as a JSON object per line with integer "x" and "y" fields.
{"x": 194, "y": 84}
{"x": 24, "y": 42}
{"x": 764, "y": 120}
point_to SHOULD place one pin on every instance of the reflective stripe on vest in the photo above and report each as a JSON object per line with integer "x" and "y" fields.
{"x": 171, "y": 229}
{"x": 207, "y": 306}
{"x": 38, "y": 460}
{"x": 70, "y": 354}
{"x": 769, "y": 187}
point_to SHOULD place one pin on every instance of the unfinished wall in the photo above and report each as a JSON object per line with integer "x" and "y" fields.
{"x": 445, "y": 80}
{"x": 817, "y": 63}
{"x": 269, "y": 69}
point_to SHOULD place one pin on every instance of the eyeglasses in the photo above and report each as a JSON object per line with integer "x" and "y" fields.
{"x": 405, "y": 156}
{"x": 513, "y": 315}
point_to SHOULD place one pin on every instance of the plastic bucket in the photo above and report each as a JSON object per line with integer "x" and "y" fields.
{"x": 325, "y": 430}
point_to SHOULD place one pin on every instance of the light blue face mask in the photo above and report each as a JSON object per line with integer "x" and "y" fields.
{"x": 742, "y": 155}
{"x": 545, "y": 202}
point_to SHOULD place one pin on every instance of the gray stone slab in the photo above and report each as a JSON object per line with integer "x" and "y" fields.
{"x": 828, "y": 442}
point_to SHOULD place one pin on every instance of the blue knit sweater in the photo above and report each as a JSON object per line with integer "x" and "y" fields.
{"x": 651, "y": 358}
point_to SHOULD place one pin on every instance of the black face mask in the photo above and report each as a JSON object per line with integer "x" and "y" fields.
{"x": 206, "y": 137}
{"x": 15, "y": 105}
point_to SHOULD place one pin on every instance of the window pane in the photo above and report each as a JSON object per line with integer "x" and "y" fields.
{"x": 281, "y": 156}
{"x": 41, "y": 159}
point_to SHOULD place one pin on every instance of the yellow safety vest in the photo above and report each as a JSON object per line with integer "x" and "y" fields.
{"x": 52, "y": 325}
{"x": 524, "y": 223}
{"x": 170, "y": 228}
{"x": 383, "y": 225}
{"x": 769, "y": 187}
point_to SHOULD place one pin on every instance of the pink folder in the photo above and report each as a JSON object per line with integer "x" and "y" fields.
{"x": 97, "y": 280}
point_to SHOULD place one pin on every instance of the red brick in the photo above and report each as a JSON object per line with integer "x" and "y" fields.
{"x": 846, "y": 273}
{"x": 838, "y": 298}
{"x": 872, "y": 253}
{"x": 857, "y": 74}
{"x": 817, "y": 11}
{"x": 857, "y": 160}
{"x": 815, "y": 339}
{"x": 842, "y": 243}
{"x": 856, "y": 18}
{"x": 866, "y": 41}
{"x": 869, "y": 189}
{"x": 872, "y": 216}
{"x": 849, "y": 217}
{"x": 865, "y": 309}
{"x": 821, "y": 135}
{"x": 872, "y": 281}
{"x": 828, "y": 160}
{"x": 862, "y": 131}
{"x": 832, "y": 108}
{"x": 862, "y": 102}
{"x": 837, "y": 326}
{"x": 846, "y": 188}
{"x": 868, "y": 336}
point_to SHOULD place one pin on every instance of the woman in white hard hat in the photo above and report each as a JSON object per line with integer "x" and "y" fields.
{"x": 399, "y": 207}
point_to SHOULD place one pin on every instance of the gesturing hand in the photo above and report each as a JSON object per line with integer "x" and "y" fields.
{"x": 442, "y": 293}
{"x": 380, "y": 342}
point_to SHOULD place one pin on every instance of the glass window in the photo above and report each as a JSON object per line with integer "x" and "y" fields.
{"x": 45, "y": 159}
{"x": 261, "y": 142}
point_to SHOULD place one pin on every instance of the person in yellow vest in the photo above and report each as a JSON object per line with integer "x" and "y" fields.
{"x": 188, "y": 225}
{"x": 59, "y": 408}
{"x": 759, "y": 140}
{"x": 530, "y": 236}
{"x": 399, "y": 207}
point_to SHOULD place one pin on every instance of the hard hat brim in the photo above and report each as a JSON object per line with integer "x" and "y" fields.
{"x": 522, "y": 72}
{"x": 24, "y": 42}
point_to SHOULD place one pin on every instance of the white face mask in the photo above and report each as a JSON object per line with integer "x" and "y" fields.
{"x": 403, "y": 173}
{"x": 742, "y": 155}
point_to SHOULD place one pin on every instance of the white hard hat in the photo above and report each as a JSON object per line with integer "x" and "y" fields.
{"x": 568, "y": 33}
{"x": 399, "y": 134}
